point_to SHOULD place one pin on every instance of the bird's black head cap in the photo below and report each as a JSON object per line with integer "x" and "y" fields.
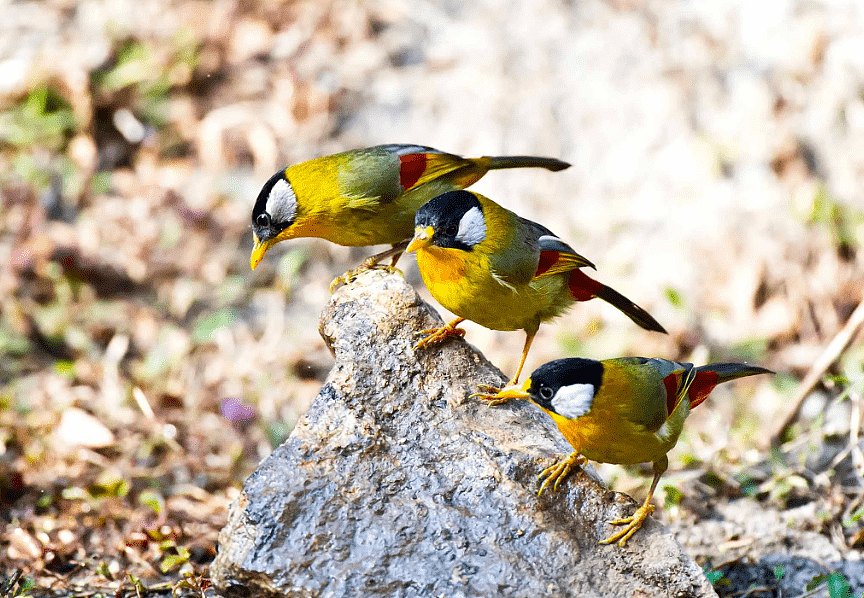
{"x": 457, "y": 217}
{"x": 275, "y": 209}
{"x": 550, "y": 377}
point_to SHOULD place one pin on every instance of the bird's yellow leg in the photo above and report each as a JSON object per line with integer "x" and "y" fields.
{"x": 396, "y": 257}
{"x": 557, "y": 473}
{"x": 529, "y": 338}
{"x": 441, "y": 333}
{"x": 371, "y": 263}
{"x": 635, "y": 521}
{"x": 499, "y": 396}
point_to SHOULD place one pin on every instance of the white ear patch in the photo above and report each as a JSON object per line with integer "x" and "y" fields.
{"x": 282, "y": 203}
{"x": 573, "y": 401}
{"x": 472, "y": 227}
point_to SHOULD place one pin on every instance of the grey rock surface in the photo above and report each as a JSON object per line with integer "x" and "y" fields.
{"x": 396, "y": 483}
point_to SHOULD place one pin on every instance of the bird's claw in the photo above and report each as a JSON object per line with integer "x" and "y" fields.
{"x": 493, "y": 395}
{"x": 436, "y": 335}
{"x": 632, "y": 523}
{"x": 350, "y": 275}
{"x": 343, "y": 279}
{"x": 559, "y": 471}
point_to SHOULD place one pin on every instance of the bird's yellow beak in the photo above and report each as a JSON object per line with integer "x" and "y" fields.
{"x": 422, "y": 237}
{"x": 515, "y": 392}
{"x": 259, "y": 250}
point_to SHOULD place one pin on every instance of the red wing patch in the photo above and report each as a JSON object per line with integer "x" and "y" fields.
{"x": 411, "y": 168}
{"x": 671, "y": 383}
{"x": 547, "y": 259}
{"x": 704, "y": 383}
{"x": 582, "y": 287}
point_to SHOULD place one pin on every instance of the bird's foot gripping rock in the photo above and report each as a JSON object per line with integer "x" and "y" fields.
{"x": 490, "y": 394}
{"x": 436, "y": 335}
{"x": 494, "y": 395}
{"x": 350, "y": 275}
{"x": 632, "y": 523}
{"x": 557, "y": 473}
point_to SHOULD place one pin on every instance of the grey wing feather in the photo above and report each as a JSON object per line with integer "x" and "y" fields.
{"x": 402, "y": 149}
{"x": 664, "y": 367}
{"x": 518, "y": 264}
{"x": 552, "y": 243}
{"x": 549, "y": 241}
{"x": 546, "y": 240}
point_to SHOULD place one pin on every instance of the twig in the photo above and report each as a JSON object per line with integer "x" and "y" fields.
{"x": 10, "y": 583}
{"x": 147, "y": 590}
{"x": 750, "y": 591}
{"x": 814, "y": 432}
{"x": 837, "y": 538}
{"x": 812, "y": 592}
{"x": 854, "y": 425}
{"x": 834, "y": 349}
{"x": 143, "y": 404}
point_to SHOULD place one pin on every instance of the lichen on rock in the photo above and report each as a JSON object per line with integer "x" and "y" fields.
{"x": 397, "y": 483}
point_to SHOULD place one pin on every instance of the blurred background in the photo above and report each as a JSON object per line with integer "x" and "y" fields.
{"x": 717, "y": 179}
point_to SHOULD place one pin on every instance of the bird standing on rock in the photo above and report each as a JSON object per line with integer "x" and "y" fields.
{"x": 624, "y": 411}
{"x": 366, "y": 196}
{"x": 488, "y": 265}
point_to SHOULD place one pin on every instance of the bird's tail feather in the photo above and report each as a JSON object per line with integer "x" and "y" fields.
{"x": 709, "y": 376}
{"x": 731, "y": 371}
{"x": 630, "y": 309}
{"x": 497, "y": 162}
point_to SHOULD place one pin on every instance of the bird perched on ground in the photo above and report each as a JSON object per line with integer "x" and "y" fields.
{"x": 366, "y": 196}
{"x": 488, "y": 265}
{"x": 626, "y": 410}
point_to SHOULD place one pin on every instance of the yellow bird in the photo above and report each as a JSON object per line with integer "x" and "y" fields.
{"x": 488, "y": 265}
{"x": 624, "y": 411}
{"x": 366, "y": 196}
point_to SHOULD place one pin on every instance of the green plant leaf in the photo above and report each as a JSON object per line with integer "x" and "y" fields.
{"x": 152, "y": 499}
{"x": 673, "y": 496}
{"x": 838, "y": 585}
{"x": 210, "y": 323}
{"x": 44, "y": 117}
{"x": 674, "y": 297}
{"x": 854, "y": 517}
{"x": 172, "y": 561}
{"x": 713, "y": 575}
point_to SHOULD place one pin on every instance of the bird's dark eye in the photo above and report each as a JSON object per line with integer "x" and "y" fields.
{"x": 451, "y": 231}
{"x": 263, "y": 220}
{"x": 546, "y": 392}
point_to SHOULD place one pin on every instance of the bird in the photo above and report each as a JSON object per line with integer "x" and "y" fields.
{"x": 624, "y": 411}
{"x": 488, "y": 265}
{"x": 366, "y": 196}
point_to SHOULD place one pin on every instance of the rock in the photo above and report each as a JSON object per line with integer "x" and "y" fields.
{"x": 396, "y": 483}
